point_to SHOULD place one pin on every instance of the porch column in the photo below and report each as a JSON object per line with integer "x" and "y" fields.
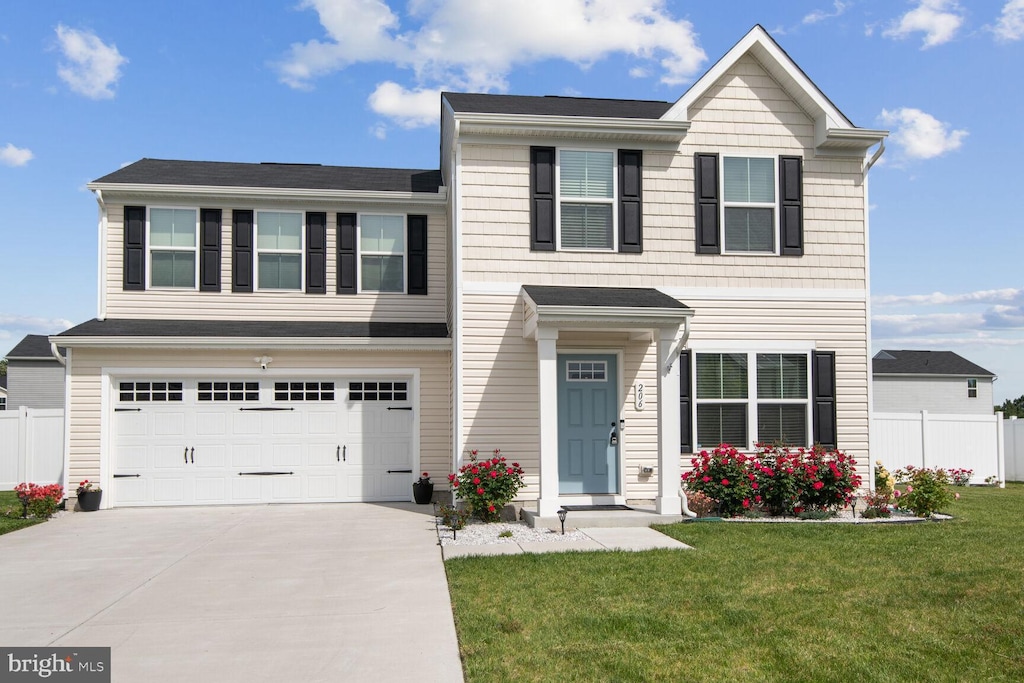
{"x": 668, "y": 501}
{"x": 547, "y": 408}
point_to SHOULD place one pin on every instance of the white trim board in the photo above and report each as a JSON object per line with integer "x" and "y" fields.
{"x": 712, "y": 293}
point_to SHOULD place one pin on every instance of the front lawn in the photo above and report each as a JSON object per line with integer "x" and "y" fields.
{"x": 779, "y": 602}
{"x": 9, "y": 499}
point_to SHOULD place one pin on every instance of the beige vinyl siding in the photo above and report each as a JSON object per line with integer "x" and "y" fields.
{"x": 228, "y": 305}
{"x": 500, "y": 390}
{"x": 747, "y": 112}
{"x": 86, "y": 391}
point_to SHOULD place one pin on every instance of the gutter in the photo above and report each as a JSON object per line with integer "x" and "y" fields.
{"x": 255, "y": 193}
{"x": 325, "y": 343}
{"x": 56, "y": 354}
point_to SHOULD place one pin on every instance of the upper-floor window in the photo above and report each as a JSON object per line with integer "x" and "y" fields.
{"x": 279, "y": 250}
{"x": 382, "y": 253}
{"x": 172, "y": 247}
{"x": 972, "y": 388}
{"x": 749, "y": 204}
{"x": 3, "y": 403}
{"x": 586, "y": 199}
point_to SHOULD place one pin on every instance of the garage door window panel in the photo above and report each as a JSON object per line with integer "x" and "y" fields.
{"x": 150, "y": 392}
{"x": 228, "y": 391}
{"x": 304, "y": 391}
{"x": 378, "y": 391}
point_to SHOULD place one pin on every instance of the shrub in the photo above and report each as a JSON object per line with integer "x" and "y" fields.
{"x": 724, "y": 475}
{"x": 883, "y": 480}
{"x": 778, "y": 479}
{"x": 877, "y": 504}
{"x": 927, "y": 490}
{"x": 829, "y": 479}
{"x": 960, "y": 476}
{"x": 39, "y": 501}
{"x": 700, "y": 504}
{"x": 487, "y": 486}
{"x": 453, "y": 517}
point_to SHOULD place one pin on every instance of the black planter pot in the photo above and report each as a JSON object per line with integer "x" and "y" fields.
{"x": 89, "y": 501}
{"x": 422, "y": 492}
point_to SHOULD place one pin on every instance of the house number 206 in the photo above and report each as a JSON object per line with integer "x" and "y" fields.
{"x": 638, "y": 396}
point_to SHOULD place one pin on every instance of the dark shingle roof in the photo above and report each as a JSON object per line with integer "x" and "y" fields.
{"x": 473, "y": 103}
{"x": 617, "y": 297}
{"x": 253, "y": 328}
{"x": 890, "y": 362}
{"x": 34, "y": 346}
{"x": 287, "y": 176}
{"x": 3, "y": 382}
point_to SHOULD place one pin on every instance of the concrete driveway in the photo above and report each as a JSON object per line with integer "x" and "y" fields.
{"x": 352, "y": 592}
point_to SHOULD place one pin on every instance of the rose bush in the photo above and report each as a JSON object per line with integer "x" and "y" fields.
{"x": 927, "y": 490}
{"x": 724, "y": 474}
{"x": 487, "y": 486}
{"x": 39, "y": 501}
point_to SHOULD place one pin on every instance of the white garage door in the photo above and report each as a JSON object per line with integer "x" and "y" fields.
{"x": 206, "y": 441}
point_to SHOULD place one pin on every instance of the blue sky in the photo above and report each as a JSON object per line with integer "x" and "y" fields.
{"x": 87, "y": 86}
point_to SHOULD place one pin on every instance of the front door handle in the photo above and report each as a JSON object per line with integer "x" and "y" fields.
{"x": 613, "y": 438}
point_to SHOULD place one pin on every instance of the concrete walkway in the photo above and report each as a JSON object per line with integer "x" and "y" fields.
{"x": 352, "y": 592}
{"x": 599, "y": 538}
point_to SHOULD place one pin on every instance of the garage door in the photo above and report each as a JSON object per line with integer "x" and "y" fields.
{"x": 207, "y": 441}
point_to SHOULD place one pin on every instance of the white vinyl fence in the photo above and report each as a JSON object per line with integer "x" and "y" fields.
{"x": 1014, "y": 440}
{"x": 924, "y": 439}
{"x": 31, "y": 447}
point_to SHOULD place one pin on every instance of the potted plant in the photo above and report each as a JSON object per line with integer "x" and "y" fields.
{"x": 89, "y": 496}
{"x": 423, "y": 489}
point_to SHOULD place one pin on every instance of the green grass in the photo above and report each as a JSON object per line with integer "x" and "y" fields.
{"x": 761, "y": 602}
{"x": 9, "y": 499}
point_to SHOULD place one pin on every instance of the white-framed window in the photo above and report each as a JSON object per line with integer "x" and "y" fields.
{"x": 3, "y": 403}
{"x": 279, "y": 249}
{"x": 586, "y": 200}
{"x": 173, "y": 247}
{"x": 743, "y": 398}
{"x": 972, "y": 388}
{"x": 586, "y": 371}
{"x": 749, "y": 214}
{"x": 382, "y": 253}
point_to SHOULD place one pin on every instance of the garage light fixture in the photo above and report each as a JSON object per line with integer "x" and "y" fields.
{"x": 263, "y": 361}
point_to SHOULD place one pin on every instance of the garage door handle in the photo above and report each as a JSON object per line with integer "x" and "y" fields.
{"x": 127, "y": 410}
{"x": 266, "y": 409}
{"x": 186, "y": 455}
{"x": 399, "y": 471}
{"x": 262, "y": 474}
{"x": 193, "y": 454}
{"x": 400, "y": 408}
{"x": 125, "y": 476}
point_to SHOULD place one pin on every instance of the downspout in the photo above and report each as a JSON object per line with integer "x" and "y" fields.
{"x": 101, "y": 284}
{"x": 680, "y": 343}
{"x": 56, "y": 354}
{"x": 867, "y": 312}
{"x": 874, "y": 157}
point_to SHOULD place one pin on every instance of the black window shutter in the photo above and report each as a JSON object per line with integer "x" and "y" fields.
{"x": 417, "y": 266}
{"x": 631, "y": 226}
{"x": 791, "y": 210}
{"x": 542, "y": 198}
{"x": 241, "y": 250}
{"x": 823, "y": 380}
{"x": 685, "y": 414}
{"x": 316, "y": 252}
{"x": 705, "y": 173}
{"x": 346, "y": 253}
{"x": 209, "y": 246}
{"x": 134, "y": 247}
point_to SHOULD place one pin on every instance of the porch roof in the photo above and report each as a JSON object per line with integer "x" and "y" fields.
{"x": 624, "y": 308}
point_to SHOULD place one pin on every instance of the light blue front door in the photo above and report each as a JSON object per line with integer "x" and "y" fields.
{"x": 588, "y": 455}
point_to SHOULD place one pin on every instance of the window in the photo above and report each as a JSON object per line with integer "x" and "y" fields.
{"x": 3, "y": 403}
{"x": 132, "y": 392}
{"x": 586, "y": 370}
{"x": 378, "y": 391}
{"x": 279, "y": 250}
{"x": 382, "y": 253}
{"x": 586, "y": 190}
{"x": 737, "y": 390}
{"x": 229, "y": 391}
{"x": 172, "y": 247}
{"x": 749, "y": 204}
{"x": 304, "y": 391}
{"x": 972, "y": 388}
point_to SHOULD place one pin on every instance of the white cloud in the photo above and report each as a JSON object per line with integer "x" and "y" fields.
{"x": 408, "y": 108}
{"x": 92, "y": 67}
{"x": 379, "y": 131}
{"x": 938, "y": 20}
{"x": 472, "y": 45}
{"x": 29, "y": 324}
{"x": 15, "y": 156}
{"x": 821, "y": 15}
{"x": 985, "y": 296}
{"x": 1011, "y": 21}
{"x": 920, "y": 135}
{"x": 1003, "y": 312}
{"x": 924, "y": 323}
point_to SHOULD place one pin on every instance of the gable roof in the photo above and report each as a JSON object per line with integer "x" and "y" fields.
{"x": 904, "y": 362}
{"x": 33, "y": 347}
{"x": 834, "y": 133}
{"x": 610, "y": 297}
{"x": 552, "y": 105}
{"x": 272, "y": 175}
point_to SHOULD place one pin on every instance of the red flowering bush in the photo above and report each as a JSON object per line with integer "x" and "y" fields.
{"x": 726, "y": 475}
{"x": 487, "y": 486}
{"x": 39, "y": 501}
{"x": 779, "y": 479}
{"x": 960, "y": 476}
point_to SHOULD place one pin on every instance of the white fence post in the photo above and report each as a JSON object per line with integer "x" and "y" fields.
{"x": 924, "y": 439}
{"x": 1001, "y": 448}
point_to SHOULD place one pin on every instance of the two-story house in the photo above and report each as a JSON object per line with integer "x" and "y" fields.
{"x": 596, "y": 287}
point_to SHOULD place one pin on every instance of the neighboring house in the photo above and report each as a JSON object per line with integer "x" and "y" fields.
{"x": 35, "y": 378}
{"x": 598, "y": 288}
{"x": 3, "y": 392}
{"x": 936, "y": 381}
